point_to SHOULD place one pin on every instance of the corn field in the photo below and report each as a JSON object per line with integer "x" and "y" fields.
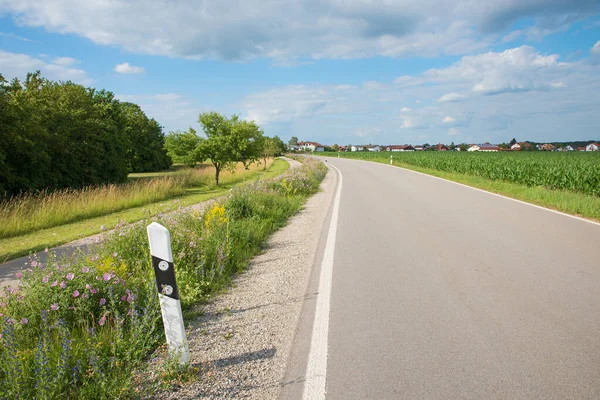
{"x": 574, "y": 171}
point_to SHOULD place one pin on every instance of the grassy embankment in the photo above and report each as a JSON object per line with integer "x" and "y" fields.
{"x": 33, "y": 223}
{"x": 89, "y": 326}
{"x": 569, "y": 183}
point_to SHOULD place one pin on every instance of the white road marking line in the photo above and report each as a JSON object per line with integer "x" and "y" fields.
{"x": 485, "y": 191}
{"x": 316, "y": 368}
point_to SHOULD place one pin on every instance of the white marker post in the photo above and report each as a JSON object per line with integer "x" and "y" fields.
{"x": 168, "y": 295}
{"x": 391, "y": 162}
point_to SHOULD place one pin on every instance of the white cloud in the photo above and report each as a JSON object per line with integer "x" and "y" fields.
{"x": 15, "y": 65}
{"x": 297, "y": 29}
{"x": 331, "y": 114}
{"x": 125, "y": 68}
{"x": 405, "y": 109}
{"x": 448, "y": 119}
{"x": 518, "y": 69}
{"x": 65, "y": 61}
{"x": 596, "y": 48}
{"x": 453, "y": 132}
{"x": 452, "y": 97}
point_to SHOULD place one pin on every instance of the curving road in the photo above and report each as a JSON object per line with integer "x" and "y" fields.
{"x": 440, "y": 291}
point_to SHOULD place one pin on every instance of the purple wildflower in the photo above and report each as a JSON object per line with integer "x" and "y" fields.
{"x": 85, "y": 270}
{"x": 76, "y": 293}
{"x": 70, "y": 276}
{"x": 54, "y": 283}
{"x": 54, "y": 306}
{"x": 93, "y": 291}
{"x": 46, "y": 250}
{"x": 19, "y": 275}
{"x": 102, "y": 320}
{"x": 63, "y": 285}
{"x": 45, "y": 279}
{"x": 34, "y": 263}
{"x": 107, "y": 276}
{"x": 24, "y": 321}
{"x": 102, "y": 301}
{"x": 123, "y": 298}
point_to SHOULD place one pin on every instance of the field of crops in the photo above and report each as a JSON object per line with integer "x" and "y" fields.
{"x": 574, "y": 171}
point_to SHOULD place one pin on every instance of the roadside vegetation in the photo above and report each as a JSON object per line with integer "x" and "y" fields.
{"x": 202, "y": 188}
{"x": 568, "y": 182}
{"x": 89, "y": 327}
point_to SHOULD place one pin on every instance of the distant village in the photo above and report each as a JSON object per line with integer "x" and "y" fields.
{"x": 295, "y": 145}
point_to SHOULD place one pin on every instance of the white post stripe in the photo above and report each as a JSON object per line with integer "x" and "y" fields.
{"x": 170, "y": 308}
{"x": 316, "y": 369}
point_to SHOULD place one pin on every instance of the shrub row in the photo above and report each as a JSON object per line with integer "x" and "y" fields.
{"x": 63, "y": 135}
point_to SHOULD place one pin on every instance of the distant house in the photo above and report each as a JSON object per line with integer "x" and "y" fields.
{"x": 592, "y": 147}
{"x": 342, "y": 148}
{"x": 484, "y": 147}
{"x": 373, "y": 147}
{"x": 292, "y": 147}
{"x": 441, "y": 147}
{"x": 581, "y": 148}
{"x": 419, "y": 148}
{"x": 356, "y": 148}
{"x": 311, "y": 146}
{"x": 515, "y": 147}
{"x": 547, "y": 147}
{"x": 395, "y": 147}
{"x": 565, "y": 148}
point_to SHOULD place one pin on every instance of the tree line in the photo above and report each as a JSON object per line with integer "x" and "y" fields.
{"x": 227, "y": 142}
{"x": 63, "y": 135}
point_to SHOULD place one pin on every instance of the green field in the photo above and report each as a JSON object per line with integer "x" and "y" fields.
{"x": 64, "y": 218}
{"x": 569, "y": 182}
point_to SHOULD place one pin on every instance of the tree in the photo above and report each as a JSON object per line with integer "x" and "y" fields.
{"x": 228, "y": 140}
{"x": 271, "y": 147}
{"x": 452, "y": 146}
{"x": 293, "y": 141}
{"x": 513, "y": 141}
{"x": 335, "y": 147}
{"x": 181, "y": 147}
{"x": 146, "y": 141}
{"x": 463, "y": 147}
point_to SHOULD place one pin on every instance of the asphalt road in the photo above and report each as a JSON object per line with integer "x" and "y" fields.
{"x": 440, "y": 291}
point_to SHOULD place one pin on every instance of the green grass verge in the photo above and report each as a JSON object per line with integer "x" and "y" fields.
{"x": 18, "y": 246}
{"x": 578, "y": 204}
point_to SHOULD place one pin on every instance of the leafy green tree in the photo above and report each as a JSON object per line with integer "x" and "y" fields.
{"x": 293, "y": 141}
{"x": 228, "y": 140}
{"x": 270, "y": 148}
{"x": 463, "y": 147}
{"x": 335, "y": 147}
{"x": 452, "y": 146}
{"x": 146, "y": 141}
{"x": 181, "y": 147}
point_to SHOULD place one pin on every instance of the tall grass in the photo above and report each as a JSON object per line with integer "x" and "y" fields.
{"x": 30, "y": 212}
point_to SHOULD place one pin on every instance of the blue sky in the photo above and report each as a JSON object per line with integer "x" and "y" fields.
{"x": 386, "y": 72}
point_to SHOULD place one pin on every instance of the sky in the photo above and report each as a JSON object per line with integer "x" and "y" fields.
{"x": 330, "y": 71}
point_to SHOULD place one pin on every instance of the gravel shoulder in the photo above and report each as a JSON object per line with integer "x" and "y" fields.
{"x": 242, "y": 341}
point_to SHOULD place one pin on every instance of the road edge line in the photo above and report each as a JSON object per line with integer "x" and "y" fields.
{"x": 316, "y": 367}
